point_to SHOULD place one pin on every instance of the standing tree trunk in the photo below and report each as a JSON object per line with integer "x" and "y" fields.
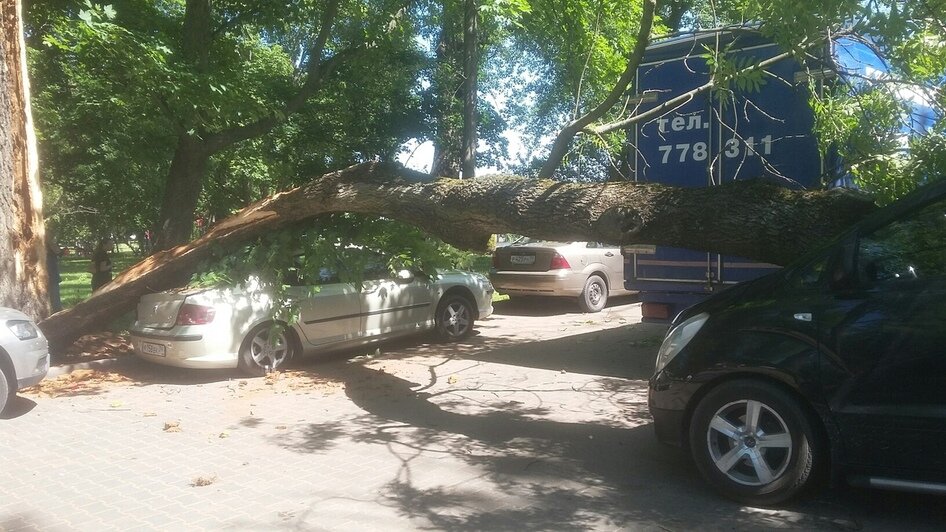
{"x": 23, "y": 284}
{"x": 182, "y": 189}
{"x": 446, "y": 89}
{"x": 471, "y": 64}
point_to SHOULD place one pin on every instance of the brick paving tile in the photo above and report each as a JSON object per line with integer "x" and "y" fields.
{"x": 487, "y": 434}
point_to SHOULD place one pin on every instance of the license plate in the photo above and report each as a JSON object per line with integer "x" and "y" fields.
{"x": 152, "y": 349}
{"x": 522, "y": 259}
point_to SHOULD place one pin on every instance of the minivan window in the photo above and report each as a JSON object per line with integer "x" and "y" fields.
{"x": 913, "y": 247}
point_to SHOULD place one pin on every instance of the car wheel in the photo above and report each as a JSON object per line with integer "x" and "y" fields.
{"x": 454, "y": 319}
{"x": 594, "y": 296}
{"x": 261, "y": 354}
{"x": 753, "y": 442}
{"x": 6, "y": 392}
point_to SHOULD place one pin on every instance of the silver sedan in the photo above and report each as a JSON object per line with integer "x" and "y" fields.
{"x": 235, "y": 327}
{"x": 588, "y": 271}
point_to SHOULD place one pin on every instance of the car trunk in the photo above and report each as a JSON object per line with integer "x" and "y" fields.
{"x": 524, "y": 258}
{"x": 159, "y": 311}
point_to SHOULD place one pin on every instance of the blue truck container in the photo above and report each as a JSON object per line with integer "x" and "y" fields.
{"x": 712, "y": 140}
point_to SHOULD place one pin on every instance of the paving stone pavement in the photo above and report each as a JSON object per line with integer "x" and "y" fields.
{"x": 539, "y": 422}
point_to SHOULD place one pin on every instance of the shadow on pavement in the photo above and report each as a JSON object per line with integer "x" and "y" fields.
{"x": 538, "y": 306}
{"x": 560, "y": 475}
{"x": 17, "y": 407}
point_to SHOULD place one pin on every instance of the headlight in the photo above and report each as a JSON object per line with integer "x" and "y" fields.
{"x": 22, "y": 329}
{"x": 678, "y": 338}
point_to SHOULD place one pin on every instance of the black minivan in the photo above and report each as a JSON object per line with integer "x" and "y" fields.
{"x": 836, "y": 363}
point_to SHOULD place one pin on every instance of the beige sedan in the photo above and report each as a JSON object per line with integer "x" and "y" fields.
{"x": 234, "y": 327}
{"x": 588, "y": 271}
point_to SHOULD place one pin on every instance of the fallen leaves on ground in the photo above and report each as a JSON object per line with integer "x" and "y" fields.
{"x": 79, "y": 382}
{"x": 94, "y": 347}
{"x": 203, "y": 481}
{"x": 287, "y": 381}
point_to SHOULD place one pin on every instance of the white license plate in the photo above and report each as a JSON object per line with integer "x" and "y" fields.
{"x": 152, "y": 349}
{"x": 522, "y": 259}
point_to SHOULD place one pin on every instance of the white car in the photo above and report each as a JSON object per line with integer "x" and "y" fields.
{"x": 24, "y": 354}
{"x": 231, "y": 327}
{"x": 588, "y": 271}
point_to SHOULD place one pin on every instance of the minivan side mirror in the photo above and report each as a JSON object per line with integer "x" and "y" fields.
{"x": 843, "y": 272}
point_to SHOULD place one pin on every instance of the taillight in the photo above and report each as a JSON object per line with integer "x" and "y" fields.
{"x": 559, "y": 263}
{"x": 191, "y": 314}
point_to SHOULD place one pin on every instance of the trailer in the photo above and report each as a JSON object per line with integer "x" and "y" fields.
{"x": 710, "y": 140}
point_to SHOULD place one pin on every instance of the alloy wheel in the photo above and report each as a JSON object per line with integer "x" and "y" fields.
{"x": 269, "y": 354}
{"x": 456, "y": 319}
{"x": 749, "y": 442}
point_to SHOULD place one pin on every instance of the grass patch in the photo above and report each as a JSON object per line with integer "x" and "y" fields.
{"x": 76, "y": 285}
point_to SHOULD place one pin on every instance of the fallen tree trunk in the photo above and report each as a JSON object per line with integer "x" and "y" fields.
{"x": 758, "y": 220}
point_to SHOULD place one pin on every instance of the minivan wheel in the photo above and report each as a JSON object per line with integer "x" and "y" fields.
{"x": 261, "y": 354}
{"x": 753, "y": 442}
{"x": 594, "y": 296}
{"x": 454, "y": 319}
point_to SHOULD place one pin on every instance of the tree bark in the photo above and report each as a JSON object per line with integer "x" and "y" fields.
{"x": 742, "y": 218}
{"x": 23, "y": 284}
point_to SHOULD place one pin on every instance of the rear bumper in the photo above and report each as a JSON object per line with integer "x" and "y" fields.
{"x": 553, "y": 283}
{"x": 182, "y": 350}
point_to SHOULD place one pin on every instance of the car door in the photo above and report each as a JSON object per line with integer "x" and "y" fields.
{"x": 613, "y": 262}
{"x": 393, "y": 304}
{"x": 884, "y": 345}
{"x": 329, "y": 310}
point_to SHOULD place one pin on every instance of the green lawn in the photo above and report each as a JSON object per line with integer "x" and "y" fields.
{"x": 76, "y": 282}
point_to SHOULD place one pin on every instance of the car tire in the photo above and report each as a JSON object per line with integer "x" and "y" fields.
{"x": 454, "y": 318}
{"x": 761, "y": 463}
{"x": 258, "y": 356}
{"x": 594, "y": 296}
{"x": 6, "y": 392}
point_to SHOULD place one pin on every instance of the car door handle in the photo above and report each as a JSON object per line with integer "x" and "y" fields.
{"x": 803, "y": 316}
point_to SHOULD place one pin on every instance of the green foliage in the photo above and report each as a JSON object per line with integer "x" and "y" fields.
{"x": 343, "y": 242}
{"x": 738, "y": 73}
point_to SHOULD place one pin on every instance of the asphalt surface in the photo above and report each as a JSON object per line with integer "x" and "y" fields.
{"x": 538, "y": 422}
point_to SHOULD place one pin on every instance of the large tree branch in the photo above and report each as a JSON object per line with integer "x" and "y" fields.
{"x": 741, "y": 218}
{"x": 564, "y": 139}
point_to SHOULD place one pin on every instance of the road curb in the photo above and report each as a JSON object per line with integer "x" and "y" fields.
{"x": 65, "y": 369}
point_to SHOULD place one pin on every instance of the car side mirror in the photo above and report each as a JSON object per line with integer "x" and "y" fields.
{"x": 405, "y": 276}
